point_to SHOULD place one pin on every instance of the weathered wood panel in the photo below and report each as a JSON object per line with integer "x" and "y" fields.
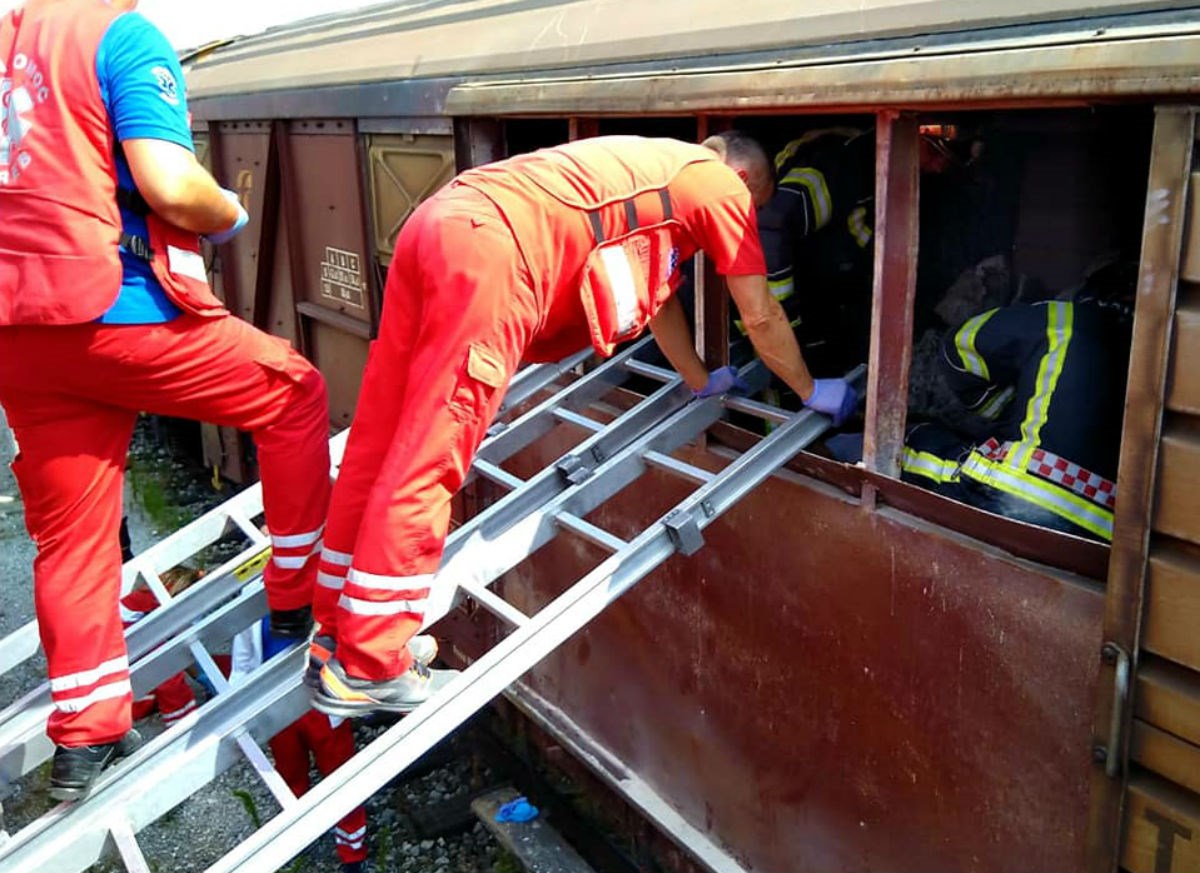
{"x": 1172, "y": 627}
{"x": 1178, "y": 503}
{"x": 1166, "y": 755}
{"x": 1162, "y": 828}
{"x": 1183, "y": 389}
{"x": 1168, "y": 697}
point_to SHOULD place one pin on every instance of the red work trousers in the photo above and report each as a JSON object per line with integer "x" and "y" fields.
{"x": 459, "y": 310}
{"x": 72, "y": 394}
{"x": 330, "y": 747}
{"x": 174, "y": 698}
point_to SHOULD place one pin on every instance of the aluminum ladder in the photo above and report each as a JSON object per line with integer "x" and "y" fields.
{"x": 189, "y": 755}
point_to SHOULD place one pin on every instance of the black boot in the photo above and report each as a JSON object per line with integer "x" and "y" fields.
{"x": 75, "y": 768}
{"x": 291, "y": 624}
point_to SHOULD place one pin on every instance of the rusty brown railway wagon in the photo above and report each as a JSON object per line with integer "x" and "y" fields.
{"x": 855, "y": 674}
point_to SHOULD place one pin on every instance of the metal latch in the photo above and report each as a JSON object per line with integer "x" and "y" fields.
{"x": 573, "y": 469}
{"x": 684, "y": 532}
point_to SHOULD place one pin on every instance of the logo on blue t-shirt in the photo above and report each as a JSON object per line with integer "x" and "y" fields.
{"x": 168, "y": 90}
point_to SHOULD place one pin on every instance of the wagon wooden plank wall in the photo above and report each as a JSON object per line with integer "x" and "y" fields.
{"x": 855, "y": 674}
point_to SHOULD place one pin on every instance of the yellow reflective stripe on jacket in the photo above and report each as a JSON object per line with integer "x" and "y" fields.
{"x": 1060, "y": 320}
{"x": 964, "y": 344}
{"x": 812, "y": 180}
{"x": 1039, "y": 492}
{"x": 856, "y": 223}
{"x": 929, "y": 465}
{"x": 781, "y": 289}
{"x": 785, "y": 154}
{"x": 994, "y": 406}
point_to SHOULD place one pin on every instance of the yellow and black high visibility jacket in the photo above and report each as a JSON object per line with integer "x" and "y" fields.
{"x": 1051, "y": 379}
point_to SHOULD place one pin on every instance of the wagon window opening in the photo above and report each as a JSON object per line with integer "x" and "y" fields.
{"x": 1030, "y": 226}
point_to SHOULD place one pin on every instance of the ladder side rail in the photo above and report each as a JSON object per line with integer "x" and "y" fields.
{"x": 164, "y": 773}
{"x": 532, "y": 379}
{"x": 538, "y": 421}
{"x": 280, "y": 839}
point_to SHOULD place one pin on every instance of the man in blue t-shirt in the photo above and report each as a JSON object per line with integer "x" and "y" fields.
{"x": 73, "y": 384}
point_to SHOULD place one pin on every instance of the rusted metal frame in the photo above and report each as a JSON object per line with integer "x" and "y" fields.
{"x": 331, "y": 317}
{"x": 375, "y": 282}
{"x": 216, "y": 158}
{"x": 268, "y": 235}
{"x": 711, "y": 297}
{"x": 897, "y": 194}
{"x": 582, "y": 128}
{"x": 478, "y": 141}
{"x": 1158, "y": 282}
{"x": 289, "y": 200}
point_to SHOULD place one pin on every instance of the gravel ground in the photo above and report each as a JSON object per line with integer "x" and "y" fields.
{"x": 160, "y": 494}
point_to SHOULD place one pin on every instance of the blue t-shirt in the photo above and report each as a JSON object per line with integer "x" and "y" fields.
{"x": 141, "y": 84}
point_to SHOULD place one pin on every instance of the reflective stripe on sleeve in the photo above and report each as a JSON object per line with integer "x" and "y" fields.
{"x": 330, "y": 580}
{"x": 964, "y": 344}
{"x": 856, "y": 223}
{"x": 176, "y": 714}
{"x": 813, "y": 181}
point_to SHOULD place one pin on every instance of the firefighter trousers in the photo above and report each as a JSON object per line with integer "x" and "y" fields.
{"x": 459, "y": 312}
{"x": 72, "y": 395}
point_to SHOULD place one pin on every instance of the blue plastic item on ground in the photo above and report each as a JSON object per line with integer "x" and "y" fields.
{"x": 517, "y": 810}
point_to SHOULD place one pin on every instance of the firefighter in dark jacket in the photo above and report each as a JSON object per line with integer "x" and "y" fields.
{"x": 816, "y": 234}
{"x": 1047, "y": 381}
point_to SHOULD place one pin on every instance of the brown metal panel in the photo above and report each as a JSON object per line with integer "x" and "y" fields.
{"x": 1166, "y": 755}
{"x": 341, "y": 357}
{"x": 1163, "y": 829}
{"x": 897, "y": 192}
{"x": 1178, "y": 506}
{"x": 402, "y": 170}
{"x": 1158, "y": 278}
{"x": 924, "y": 706}
{"x": 1191, "y": 244}
{"x": 1169, "y": 699}
{"x": 1184, "y": 391}
{"x": 242, "y": 164}
{"x": 1173, "y": 605}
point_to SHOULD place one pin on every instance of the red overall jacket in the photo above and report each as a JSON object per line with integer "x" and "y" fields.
{"x": 61, "y": 228}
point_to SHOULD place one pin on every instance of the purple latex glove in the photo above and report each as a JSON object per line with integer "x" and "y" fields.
{"x": 723, "y": 381}
{"x": 243, "y": 218}
{"x": 834, "y": 397}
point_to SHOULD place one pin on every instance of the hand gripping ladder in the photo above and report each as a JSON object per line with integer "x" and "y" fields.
{"x": 207, "y": 742}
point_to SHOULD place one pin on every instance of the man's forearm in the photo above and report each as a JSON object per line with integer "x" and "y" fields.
{"x": 776, "y": 345}
{"x": 671, "y": 332}
{"x": 177, "y": 187}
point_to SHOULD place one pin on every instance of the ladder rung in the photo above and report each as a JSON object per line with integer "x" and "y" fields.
{"x": 494, "y": 603}
{"x": 127, "y": 847}
{"x": 650, "y": 371}
{"x": 679, "y": 468}
{"x": 590, "y": 532}
{"x": 498, "y": 474}
{"x": 758, "y": 409}
{"x": 578, "y": 420}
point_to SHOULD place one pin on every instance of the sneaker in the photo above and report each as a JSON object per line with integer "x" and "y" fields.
{"x": 340, "y": 694}
{"x": 291, "y": 624}
{"x": 423, "y": 648}
{"x": 75, "y": 768}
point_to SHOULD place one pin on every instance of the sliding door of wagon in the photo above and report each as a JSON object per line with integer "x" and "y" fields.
{"x": 328, "y": 258}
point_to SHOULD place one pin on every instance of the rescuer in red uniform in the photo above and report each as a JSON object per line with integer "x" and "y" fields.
{"x": 526, "y": 259}
{"x": 105, "y": 310}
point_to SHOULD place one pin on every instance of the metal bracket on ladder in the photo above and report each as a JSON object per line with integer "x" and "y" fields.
{"x": 684, "y": 532}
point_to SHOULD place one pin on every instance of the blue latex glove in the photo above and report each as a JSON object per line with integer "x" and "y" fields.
{"x": 723, "y": 381}
{"x": 243, "y": 218}
{"x": 517, "y": 810}
{"x": 834, "y": 397}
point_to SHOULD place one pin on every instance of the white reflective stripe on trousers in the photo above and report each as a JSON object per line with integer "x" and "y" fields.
{"x": 88, "y": 677}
